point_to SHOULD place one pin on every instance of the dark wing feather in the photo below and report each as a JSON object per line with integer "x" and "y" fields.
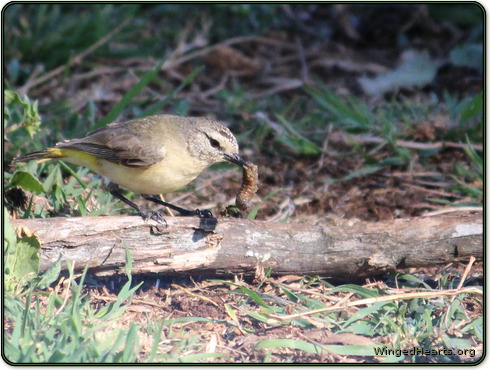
{"x": 116, "y": 144}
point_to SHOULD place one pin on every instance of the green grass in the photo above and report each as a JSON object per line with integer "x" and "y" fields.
{"x": 52, "y": 328}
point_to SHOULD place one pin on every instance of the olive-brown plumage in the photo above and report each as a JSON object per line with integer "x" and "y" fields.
{"x": 152, "y": 155}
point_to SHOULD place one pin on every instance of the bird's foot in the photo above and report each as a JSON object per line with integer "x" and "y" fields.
{"x": 205, "y": 213}
{"x": 202, "y": 213}
{"x": 154, "y": 216}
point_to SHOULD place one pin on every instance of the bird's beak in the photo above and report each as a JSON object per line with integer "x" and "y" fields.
{"x": 236, "y": 159}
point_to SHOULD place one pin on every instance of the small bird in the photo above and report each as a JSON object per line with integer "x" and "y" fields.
{"x": 153, "y": 155}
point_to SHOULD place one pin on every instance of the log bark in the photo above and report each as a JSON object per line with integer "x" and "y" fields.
{"x": 211, "y": 247}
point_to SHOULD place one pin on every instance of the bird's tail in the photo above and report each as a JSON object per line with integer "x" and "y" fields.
{"x": 41, "y": 154}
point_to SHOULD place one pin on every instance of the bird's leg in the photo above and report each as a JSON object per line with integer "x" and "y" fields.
{"x": 184, "y": 212}
{"x": 155, "y": 216}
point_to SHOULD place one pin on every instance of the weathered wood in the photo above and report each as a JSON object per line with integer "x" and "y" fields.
{"x": 222, "y": 247}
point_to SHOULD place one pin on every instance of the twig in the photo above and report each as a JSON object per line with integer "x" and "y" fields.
{"x": 99, "y": 71}
{"x": 187, "y": 291}
{"x": 343, "y": 138}
{"x": 171, "y": 63}
{"x": 387, "y": 298}
{"x": 302, "y": 58}
{"x": 133, "y": 301}
{"x": 281, "y": 84}
{"x": 212, "y": 91}
{"x": 431, "y": 191}
{"x": 466, "y": 272}
{"x": 453, "y": 209}
{"x": 463, "y": 278}
{"x": 30, "y": 84}
{"x": 67, "y": 292}
{"x": 35, "y": 73}
{"x": 168, "y": 209}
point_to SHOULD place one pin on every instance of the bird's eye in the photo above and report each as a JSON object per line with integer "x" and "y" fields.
{"x": 214, "y": 143}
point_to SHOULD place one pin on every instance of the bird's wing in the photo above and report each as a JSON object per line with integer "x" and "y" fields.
{"x": 116, "y": 143}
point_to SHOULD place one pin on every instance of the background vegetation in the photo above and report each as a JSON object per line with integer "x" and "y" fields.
{"x": 354, "y": 111}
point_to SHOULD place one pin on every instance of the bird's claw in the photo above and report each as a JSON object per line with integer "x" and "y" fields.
{"x": 205, "y": 213}
{"x": 154, "y": 216}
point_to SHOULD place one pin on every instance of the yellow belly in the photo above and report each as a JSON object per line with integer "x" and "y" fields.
{"x": 174, "y": 172}
{"x": 160, "y": 178}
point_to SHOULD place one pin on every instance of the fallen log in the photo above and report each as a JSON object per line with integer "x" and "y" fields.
{"x": 211, "y": 247}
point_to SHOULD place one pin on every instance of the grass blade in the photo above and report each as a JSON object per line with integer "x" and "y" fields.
{"x": 135, "y": 90}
